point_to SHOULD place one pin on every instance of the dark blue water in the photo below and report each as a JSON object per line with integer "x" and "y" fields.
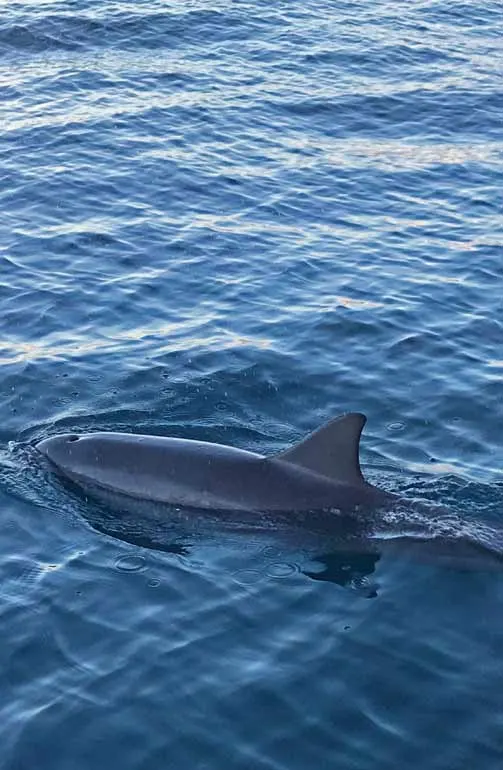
{"x": 233, "y": 221}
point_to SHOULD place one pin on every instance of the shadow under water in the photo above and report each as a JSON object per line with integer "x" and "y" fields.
{"x": 345, "y": 546}
{"x": 345, "y": 562}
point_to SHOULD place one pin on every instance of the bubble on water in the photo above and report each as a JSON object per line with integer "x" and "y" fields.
{"x": 271, "y": 551}
{"x": 247, "y": 576}
{"x": 363, "y": 586}
{"x": 154, "y": 582}
{"x": 396, "y": 426}
{"x": 131, "y": 564}
{"x": 280, "y": 570}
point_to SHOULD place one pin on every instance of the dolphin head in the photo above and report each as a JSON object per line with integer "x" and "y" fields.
{"x": 81, "y": 457}
{"x": 57, "y": 448}
{"x": 66, "y": 451}
{"x": 100, "y": 458}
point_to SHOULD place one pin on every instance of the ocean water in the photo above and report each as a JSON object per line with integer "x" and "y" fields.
{"x": 233, "y": 221}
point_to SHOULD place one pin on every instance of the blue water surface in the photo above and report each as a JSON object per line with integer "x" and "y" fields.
{"x": 233, "y": 221}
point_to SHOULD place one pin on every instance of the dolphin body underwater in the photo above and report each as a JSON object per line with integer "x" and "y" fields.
{"x": 317, "y": 483}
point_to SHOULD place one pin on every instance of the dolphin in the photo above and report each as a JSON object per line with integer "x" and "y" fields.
{"x": 316, "y": 485}
{"x": 322, "y": 471}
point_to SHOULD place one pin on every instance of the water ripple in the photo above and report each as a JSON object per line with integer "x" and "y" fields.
{"x": 232, "y": 222}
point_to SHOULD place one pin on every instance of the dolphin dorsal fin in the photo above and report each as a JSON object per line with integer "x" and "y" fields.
{"x": 332, "y": 450}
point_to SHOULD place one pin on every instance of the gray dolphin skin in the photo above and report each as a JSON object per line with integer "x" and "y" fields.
{"x": 322, "y": 471}
{"x": 316, "y": 487}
